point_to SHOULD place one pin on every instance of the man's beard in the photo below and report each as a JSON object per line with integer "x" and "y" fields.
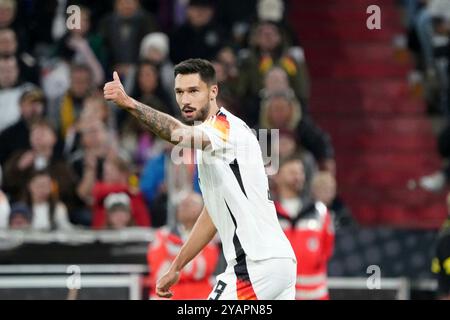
{"x": 202, "y": 115}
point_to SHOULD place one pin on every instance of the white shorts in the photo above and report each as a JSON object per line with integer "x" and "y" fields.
{"x": 271, "y": 279}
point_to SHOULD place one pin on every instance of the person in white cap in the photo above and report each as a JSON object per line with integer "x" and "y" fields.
{"x": 118, "y": 211}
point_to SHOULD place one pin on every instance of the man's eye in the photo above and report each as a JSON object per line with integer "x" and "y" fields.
{"x": 193, "y": 91}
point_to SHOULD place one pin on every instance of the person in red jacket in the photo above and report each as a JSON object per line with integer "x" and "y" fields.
{"x": 116, "y": 179}
{"x": 195, "y": 279}
{"x": 309, "y": 228}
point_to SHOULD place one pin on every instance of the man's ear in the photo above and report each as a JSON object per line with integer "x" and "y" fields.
{"x": 214, "y": 91}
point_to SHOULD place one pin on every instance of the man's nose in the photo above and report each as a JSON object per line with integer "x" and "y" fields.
{"x": 185, "y": 101}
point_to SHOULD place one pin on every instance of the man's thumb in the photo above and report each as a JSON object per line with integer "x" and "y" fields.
{"x": 116, "y": 76}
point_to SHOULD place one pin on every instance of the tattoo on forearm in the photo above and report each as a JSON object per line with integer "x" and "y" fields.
{"x": 158, "y": 122}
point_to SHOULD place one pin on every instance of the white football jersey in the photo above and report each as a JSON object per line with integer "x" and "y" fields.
{"x": 236, "y": 191}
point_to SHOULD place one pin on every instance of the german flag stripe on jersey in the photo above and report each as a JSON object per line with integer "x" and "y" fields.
{"x": 221, "y": 124}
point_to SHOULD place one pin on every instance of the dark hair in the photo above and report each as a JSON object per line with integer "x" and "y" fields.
{"x": 203, "y": 67}
{"x": 76, "y": 67}
{"x": 122, "y": 164}
{"x": 137, "y": 92}
{"x": 292, "y": 158}
{"x": 42, "y": 122}
{"x": 53, "y": 199}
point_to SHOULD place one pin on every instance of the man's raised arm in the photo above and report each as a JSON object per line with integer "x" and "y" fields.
{"x": 160, "y": 123}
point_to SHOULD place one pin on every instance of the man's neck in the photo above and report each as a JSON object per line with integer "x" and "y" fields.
{"x": 213, "y": 110}
{"x": 287, "y": 193}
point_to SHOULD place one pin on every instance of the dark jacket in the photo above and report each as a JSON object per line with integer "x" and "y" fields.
{"x": 13, "y": 138}
{"x": 314, "y": 139}
{"x": 189, "y": 42}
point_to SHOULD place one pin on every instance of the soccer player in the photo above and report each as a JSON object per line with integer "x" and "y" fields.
{"x": 260, "y": 261}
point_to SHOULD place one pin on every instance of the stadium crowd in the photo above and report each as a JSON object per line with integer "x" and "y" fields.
{"x": 63, "y": 149}
{"x": 69, "y": 160}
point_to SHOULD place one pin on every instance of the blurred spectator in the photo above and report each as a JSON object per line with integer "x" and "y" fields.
{"x": 429, "y": 40}
{"x": 138, "y": 141}
{"x": 276, "y": 80}
{"x": 116, "y": 179}
{"x": 228, "y": 59}
{"x": 48, "y": 213}
{"x": 199, "y": 36}
{"x": 236, "y": 16}
{"x": 9, "y": 19}
{"x": 269, "y": 49}
{"x": 29, "y": 70}
{"x": 4, "y": 210}
{"x": 40, "y": 156}
{"x": 309, "y": 227}
{"x": 20, "y": 217}
{"x": 441, "y": 50}
{"x": 16, "y": 136}
{"x": 118, "y": 211}
{"x": 289, "y": 184}
{"x": 82, "y": 46}
{"x": 123, "y": 31}
{"x": 288, "y": 148}
{"x": 10, "y": 92}
{"x": 194, "y": 280}
{"x": 8, "y": 42}
{"x": 94, "y": 108}
{"x": 324, "y": 189}
{"x": 226, "y": 97}
{"x": 436, "y": 181}
{"x": 227, "y": 74}
{"x": 148, "y": 88}
{"x": 441, "y": 261}
{"x": 318, "y": 142}
{"x": 155, "y": 48}
{"x": 87, "y": 164}
{"x": 163, "y": 183}
{"x": 274, "y": 11}
{"x": 287, "y": 144}
{"x": 93, "y": 150}
{"x": 281, "y": 110}
{"x": 67, "y": 110}
{"x": 170, "y": 13}
{"x": 7, "y": 13}
{"x": 88, "y": 161}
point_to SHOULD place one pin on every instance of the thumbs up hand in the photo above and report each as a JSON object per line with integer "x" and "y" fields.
{"x": 114, "y": 91}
